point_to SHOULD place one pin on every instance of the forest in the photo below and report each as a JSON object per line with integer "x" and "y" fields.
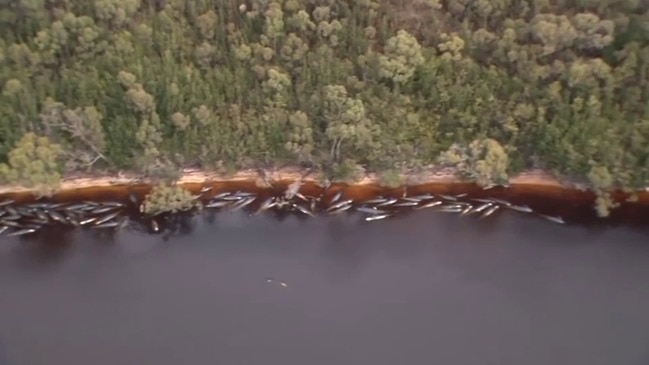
{"x": 491, "y": 87}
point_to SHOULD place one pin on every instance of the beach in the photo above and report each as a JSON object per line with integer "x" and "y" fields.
{"x": 432, "y": 175}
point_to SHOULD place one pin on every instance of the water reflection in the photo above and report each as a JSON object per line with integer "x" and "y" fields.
{"x": 426, "y": 287}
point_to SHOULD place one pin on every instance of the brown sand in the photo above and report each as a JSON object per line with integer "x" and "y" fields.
{"x": 193, "y": 176}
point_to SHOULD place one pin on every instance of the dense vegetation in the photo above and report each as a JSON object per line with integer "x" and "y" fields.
{"x": 491, "y": 86}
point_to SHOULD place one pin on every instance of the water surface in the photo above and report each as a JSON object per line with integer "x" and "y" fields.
{"x": 426, "y": 288}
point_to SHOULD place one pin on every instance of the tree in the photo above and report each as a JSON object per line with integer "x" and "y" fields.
{"x": 346, "y": 120}
{"x": 602, "y": 181}
{"x": 483, "y": 161}
{"x": 300, "y": 141}
{"x": 83, "y": 128}
{"x": 168, "y": 198}
{"x": 35, "y": 163}
{"x": 402, "y": 56}
{"x": 276, "y": 87}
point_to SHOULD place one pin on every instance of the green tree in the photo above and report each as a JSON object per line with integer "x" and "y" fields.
{"x": 346, "y": 121}
{"x": 34, "y": 163}
{"x": 402, "y": 56}
{"x": 82, "y": 127}
{"x": 168, "y": 198}
{"x": 483, "y": 161}
{"x": 300, "y": 141}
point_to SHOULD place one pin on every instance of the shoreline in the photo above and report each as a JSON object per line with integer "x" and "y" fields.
{"x": 435, "y": 175}
{"x": 546, "y": 195}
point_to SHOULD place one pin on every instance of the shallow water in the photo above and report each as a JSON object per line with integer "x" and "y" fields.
{"x": 426, "y": 288}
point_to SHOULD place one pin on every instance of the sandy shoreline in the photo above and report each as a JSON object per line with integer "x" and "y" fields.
{"x": 190, "y": 176}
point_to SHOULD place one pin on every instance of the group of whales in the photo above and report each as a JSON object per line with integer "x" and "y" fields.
{"x": 24, "y": 219}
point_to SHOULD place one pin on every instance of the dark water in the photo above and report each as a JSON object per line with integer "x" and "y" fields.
{"x": 423, "y": 289}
